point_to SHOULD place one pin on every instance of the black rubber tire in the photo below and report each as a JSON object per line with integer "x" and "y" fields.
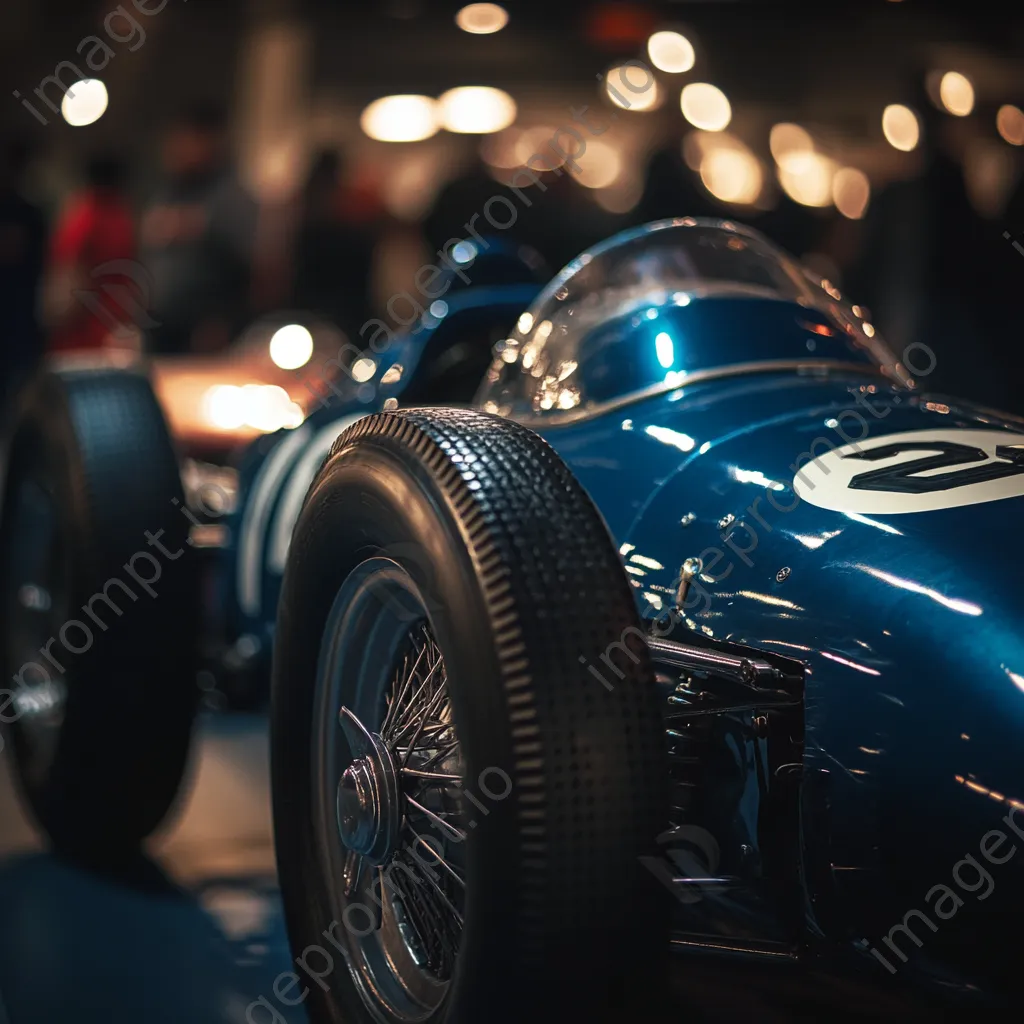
{"x": 97, "y": 441}
{"x": 523, "y": 588}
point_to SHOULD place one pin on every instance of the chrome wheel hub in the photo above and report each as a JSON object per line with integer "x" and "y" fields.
{"x": 395, "y": 818}
{"x": 369, "y": 807}
{"x": 33, "y": 606}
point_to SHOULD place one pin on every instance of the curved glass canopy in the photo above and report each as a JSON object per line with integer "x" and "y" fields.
{"x": 667, "y": 303}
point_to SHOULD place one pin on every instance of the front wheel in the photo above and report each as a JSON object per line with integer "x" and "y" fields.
{"x": 460, "y": 806}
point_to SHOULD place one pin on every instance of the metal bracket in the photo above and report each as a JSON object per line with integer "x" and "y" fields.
{"x": 753, "y": 672}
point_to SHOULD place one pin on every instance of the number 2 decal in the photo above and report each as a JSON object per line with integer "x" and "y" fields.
{"x": 916, "y": 471}
{"x": 906, "y": 478}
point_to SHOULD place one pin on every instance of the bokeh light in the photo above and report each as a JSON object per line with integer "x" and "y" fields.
{"x": 533, "y": 148}
{"x": 291, "y": 346}
{"x": 363, "y": 369}
{"x": 807, "y": 178}
{"x": 632, "y": 88}
{"x": 406, "y": 118}
{"x": 599, "y": 166}
{"x": 956, "y": 93}
{"x": 482, "y": 19}
{"x": 85, "y": 102}
{"x": 1010, "y": 124}
{"x": 464, "y": 252}
{"x": 705, "y": 106}
{"x": 732, "y": 175}
{"x": 901, "y": 128}
{"x": 671, "y": 52}
{"x": 786, "y": 138}
{"x": 851, "y": 192}
{"x": 476, "y": 109}
{"x": 263, "y": 407}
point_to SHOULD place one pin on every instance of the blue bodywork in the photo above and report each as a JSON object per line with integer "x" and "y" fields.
{"x": 276, "y": 470}
{"x": 907, "y": 629}
{"x": 855, "y": 810}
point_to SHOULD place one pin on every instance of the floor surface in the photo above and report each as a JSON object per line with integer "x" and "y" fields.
{"x": 191, "y": 934}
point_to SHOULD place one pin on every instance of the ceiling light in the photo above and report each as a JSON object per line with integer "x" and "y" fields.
{"x": 476, "y": 109}
{"x": 671, "y": 52}
{"x": 956, "y": 93}
{"x": 85, "y": 102}
{"x": 400, "y": 118}
{"x": 705, "y": 106}
{"x": 900, "y": 127}
{"x": 482, "y": 19}
{"x": 631, "y": 87}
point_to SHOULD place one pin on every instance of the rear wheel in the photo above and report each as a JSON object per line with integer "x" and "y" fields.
{"x": 98, "y": 618}
{"x": 460, "y": 807}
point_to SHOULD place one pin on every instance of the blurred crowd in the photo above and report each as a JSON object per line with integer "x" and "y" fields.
{"x": 187, "y": 267}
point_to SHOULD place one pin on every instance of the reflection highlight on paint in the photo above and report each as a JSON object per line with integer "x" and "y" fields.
{"x": 952, "y": 603}
{"x": 851, "y": 664}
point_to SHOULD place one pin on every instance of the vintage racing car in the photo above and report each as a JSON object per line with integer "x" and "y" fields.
{"x": 698, "y": 630}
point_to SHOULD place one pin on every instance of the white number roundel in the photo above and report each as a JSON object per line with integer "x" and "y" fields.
{"x": 915, "y": 471}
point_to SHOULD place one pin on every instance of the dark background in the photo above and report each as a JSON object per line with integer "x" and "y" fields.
{"x": 929, "y": 258}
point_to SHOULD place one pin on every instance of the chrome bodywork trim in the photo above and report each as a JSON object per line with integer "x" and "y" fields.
{"x": 802, "y": 367}
{"x": 749, "y": 671}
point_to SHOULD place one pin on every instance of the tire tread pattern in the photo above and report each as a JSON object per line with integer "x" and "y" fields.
{"x": 589, "y": 760}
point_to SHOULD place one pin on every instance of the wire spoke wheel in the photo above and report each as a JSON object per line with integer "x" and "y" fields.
{"x": 401, "y": 823}
{"x": 454, "y": 797}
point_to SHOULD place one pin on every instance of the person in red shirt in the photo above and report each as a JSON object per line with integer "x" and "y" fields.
{"x": 96, "y": 292}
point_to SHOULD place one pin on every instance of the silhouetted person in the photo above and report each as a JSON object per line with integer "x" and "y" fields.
{"x": 93, "y": 292}
{"x": 566, "y": 219}
{"x": 333, "y": 249}
{"x": 548, "y": 210}
{"x": 22, "y": 247}
{"x": 197, "y": 240}
{"x": 464, "y": 198}
{"x": 672, "y": 189}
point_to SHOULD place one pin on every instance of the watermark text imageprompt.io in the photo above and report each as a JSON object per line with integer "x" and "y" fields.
{"x": 120, "y": 26}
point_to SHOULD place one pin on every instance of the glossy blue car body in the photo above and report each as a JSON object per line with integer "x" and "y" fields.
{"x": 907, "y": 631}
{"x": 862, "y": 813}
